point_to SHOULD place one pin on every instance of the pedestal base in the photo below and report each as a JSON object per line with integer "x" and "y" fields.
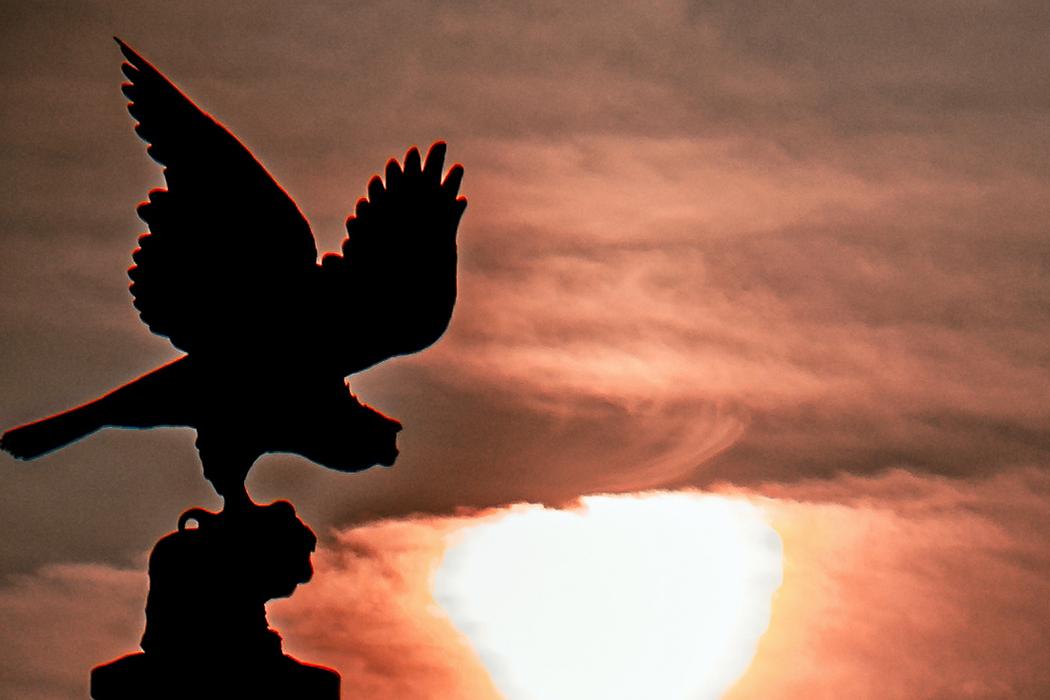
{"x": 137, "y": 677}
{"x": 206, "y": 632}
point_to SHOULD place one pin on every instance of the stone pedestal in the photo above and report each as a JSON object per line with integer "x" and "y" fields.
{"x": 206, "y": 630}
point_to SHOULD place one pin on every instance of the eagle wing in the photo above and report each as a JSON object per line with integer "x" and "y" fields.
{"x": 394, "y": 285}
{"x": 229, "y": 259}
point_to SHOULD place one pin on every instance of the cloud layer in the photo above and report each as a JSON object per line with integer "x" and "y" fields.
{"x": 898, "y": 586}
{"x": 905, "y": 586}
{"x": 796, "y": 250}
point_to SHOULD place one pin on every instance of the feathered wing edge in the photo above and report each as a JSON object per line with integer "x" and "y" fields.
{"x": 228, "y": 248}
{"x": 394, "y": 282}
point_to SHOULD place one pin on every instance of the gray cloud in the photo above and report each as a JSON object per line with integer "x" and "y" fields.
{"x": 706, "y": 242}
{"x": 63, "y": 620}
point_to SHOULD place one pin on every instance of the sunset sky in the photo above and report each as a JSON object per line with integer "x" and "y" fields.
{"x": 775, "y": 271}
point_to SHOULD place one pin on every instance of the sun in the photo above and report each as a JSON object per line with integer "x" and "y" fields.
{"x": 647, "y": 596}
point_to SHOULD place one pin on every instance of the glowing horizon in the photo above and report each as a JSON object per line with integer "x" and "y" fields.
{"x": 656, "y": 595}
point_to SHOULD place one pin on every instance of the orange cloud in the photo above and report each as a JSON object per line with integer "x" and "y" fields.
{"x": 895, "y": 586}
{"x": 370, "y": 614}
{"x": 899, "y": 587}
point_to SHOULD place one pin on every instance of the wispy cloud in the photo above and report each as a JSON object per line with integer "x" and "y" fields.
{"x": 736, "y": 242}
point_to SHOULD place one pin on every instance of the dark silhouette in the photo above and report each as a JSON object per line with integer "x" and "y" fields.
{"x": 229, "y": 273}
{"x": 206, "y": 631}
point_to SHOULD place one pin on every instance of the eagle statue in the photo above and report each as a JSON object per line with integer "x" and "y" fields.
{"x": 228, "y": 272}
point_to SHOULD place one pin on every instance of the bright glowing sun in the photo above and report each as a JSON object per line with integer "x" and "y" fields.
{"x": 649, "y": 596}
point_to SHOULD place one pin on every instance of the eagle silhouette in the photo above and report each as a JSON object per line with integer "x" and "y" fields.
{"x": 229, "y": 274}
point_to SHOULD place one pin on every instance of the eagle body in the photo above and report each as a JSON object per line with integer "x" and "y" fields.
{"x": 228, "y": 272}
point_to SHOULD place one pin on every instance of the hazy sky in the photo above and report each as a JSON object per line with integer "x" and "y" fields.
{"x": 794, "y": 251}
